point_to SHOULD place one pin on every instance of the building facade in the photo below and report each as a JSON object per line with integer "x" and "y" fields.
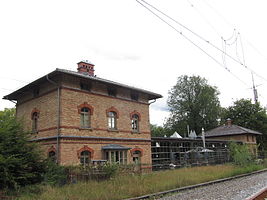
{"x": 80, "y": 118}
{"x": 233, "y": 132}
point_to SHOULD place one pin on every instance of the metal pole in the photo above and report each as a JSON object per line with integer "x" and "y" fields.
{"x": 203, "y": 138}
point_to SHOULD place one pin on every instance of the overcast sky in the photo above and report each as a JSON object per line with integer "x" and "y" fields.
{"x": 130, "y": 45}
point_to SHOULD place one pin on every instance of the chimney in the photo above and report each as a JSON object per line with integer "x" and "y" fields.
{"x": 85, "y": 67}
{"x": 229, "y": 122}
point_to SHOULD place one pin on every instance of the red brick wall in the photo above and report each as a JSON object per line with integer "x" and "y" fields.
{"x": 71, "y": 97}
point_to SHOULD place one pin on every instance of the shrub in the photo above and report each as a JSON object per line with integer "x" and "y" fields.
{"x": 54, "y": 174}
{"x": 20, "y": 161}
{"x": 110, "y": 169}
{"x": 240, "y": 154}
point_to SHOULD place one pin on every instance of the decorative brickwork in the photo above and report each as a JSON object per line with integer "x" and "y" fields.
{"x": 85, "y": 148}
{"x": 52, "y": 148}
{"x": 63, "y": 131}
{"x": 112, "y": 109}
{"x": 137, "y": 149}
{"x": 33, "y": 113}
{"x": 86, "y": 105}
{"x": 135, "y": 113}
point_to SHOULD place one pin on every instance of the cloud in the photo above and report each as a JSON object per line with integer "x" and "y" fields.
{"x": 113, "y": 54}
{"x": 160, "y": 107}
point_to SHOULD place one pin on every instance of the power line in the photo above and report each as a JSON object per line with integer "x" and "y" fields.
{"x": 204, "y": 18}
{"x": 237, "y": 37}
{"x": 187, "y": 37}
{"x": 232, "y": 26}
{"x": 14, "y": 79}
{"x": 202, "y": 38}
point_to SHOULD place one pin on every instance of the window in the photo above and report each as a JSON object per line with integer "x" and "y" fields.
{"x": 85, "y": 157}
{"x": 85, "y": 118}
{"x": 85, "y": 86}
{"x": 116, "y": 156}
{"x": 112, "y": 120}
{"x": 134, "y": 96}
{"x": 135, "y": 123}
{"x": 35, "y": 122}
{"x": 112, "y": 92}
{"x": 52, "y": 156}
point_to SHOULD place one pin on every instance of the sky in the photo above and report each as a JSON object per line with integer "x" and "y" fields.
{"x": 222, "y": 41}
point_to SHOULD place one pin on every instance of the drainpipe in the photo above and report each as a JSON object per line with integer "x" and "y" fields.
{"x": 58, "y": 116}
{"x": 154, "y": 100}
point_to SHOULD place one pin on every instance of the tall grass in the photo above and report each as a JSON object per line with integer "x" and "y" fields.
{"x": 122, "y": 187}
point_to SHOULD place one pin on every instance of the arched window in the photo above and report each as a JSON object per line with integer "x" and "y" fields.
{"x": 85, "y": 157}
{"x": 52, "y": 156}
{"x": 85, "y": 117}
{"x": 35, "y": 116}
{"x": 112, "y": 120}
{"x": 135, "y": 123}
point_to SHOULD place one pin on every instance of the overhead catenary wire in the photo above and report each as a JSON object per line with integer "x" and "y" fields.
{"x": 200, "y": 37}
{"x": 181, "y": 33}
{"x": 231, "y": 26}
{"x": 203, "y": 17}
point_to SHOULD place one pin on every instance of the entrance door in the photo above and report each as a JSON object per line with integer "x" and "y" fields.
{"x": 137, "y": 160}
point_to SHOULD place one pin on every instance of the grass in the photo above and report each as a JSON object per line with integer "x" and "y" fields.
{"x": 122, "y": 187}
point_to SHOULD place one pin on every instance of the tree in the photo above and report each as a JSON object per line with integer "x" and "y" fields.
{"x": 193, "y": 103}
{"x": 159, "y": 131}
{"x": 20, "y": 161}
{"x": 253, "y": 116}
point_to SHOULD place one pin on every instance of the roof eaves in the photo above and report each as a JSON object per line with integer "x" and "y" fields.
{"x": 151, "y": 94}
{"x": 12, "y": 95}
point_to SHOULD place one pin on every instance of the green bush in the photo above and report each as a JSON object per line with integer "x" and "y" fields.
{"x": 54, "y": 174}
{"x": 20, "y": 161}
{"x": 240, "y": 154}
{"x": 111, "y": 169}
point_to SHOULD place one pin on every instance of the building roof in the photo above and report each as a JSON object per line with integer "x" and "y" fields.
{"x": 227, "y": 130}
{"x": 15, "y": 94}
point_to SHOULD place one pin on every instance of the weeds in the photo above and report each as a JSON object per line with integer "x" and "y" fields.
{"x": 131, "y": 185}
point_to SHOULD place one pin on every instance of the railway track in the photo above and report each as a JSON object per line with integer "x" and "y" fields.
{"x": 218, "y": 189}
{"x": 261, "y": 195}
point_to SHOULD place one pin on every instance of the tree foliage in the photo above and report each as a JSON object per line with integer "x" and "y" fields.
{"x": 253, "y": 116}
{"x": 193, "y": 102}
{"x": 20, "y": 160}
{"x": 159, "y": 131}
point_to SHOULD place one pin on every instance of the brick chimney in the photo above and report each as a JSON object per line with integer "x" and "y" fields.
{"x": 229, "y": 122}
{"x": 85, "y": 67}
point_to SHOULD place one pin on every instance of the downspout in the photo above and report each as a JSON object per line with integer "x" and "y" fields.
{"x": 58, "y": 116}
{"x": 154, "y": 100}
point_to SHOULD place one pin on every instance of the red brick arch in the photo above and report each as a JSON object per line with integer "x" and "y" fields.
{"x": 35, "y": 110}
{"x": 137, "y": 149}
{"x": 135, "y": 113}
{"x": 112, "y": 109}
{"x": 52, "y": 148}
{"x": 85, "y": 148}
{"x": 85, "y": 105}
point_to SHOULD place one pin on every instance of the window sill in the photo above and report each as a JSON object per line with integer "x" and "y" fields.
{"x": 34, "y": 132}
{"x": 135, "y": 132}
{"x": 86, "y": 128}
{"x": 113, "y": 130}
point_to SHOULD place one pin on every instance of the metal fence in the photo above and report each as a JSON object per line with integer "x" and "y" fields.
{"x": 174, "y": 152}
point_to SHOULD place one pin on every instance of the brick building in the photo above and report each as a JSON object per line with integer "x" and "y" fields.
{"x": 78, "y": 117}
{"x": 233, "y": 132}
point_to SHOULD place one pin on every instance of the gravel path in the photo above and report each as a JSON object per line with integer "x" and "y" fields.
{"x": 238, "y": 189}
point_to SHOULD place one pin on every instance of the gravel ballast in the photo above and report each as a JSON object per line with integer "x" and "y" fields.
{"x": 236, "y": 189}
